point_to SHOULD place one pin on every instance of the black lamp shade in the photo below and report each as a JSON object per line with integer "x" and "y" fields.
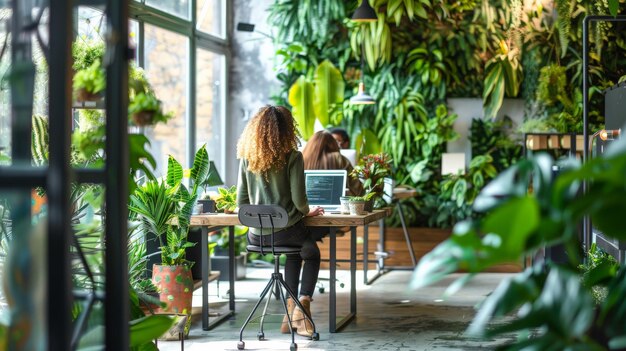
{"x": 364, "y": 13}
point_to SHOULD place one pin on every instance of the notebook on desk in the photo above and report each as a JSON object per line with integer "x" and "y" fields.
{"x": 325, "y": 188}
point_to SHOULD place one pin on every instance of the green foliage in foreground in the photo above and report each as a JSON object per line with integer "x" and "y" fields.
{"x": 553, "y": 302}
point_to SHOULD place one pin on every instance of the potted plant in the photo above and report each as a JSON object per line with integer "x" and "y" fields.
{"x": 145, "y": 109}
{"x": 164, "y": 208}
{"x": 357, "y": 204}
{"x": 89, "y": 83}
{"x": 226, "y": 200}
{"x": 208, "y": 204}
{"x": 372, "y": 170}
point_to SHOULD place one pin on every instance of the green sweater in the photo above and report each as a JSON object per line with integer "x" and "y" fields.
{"x": 283, "y": 187}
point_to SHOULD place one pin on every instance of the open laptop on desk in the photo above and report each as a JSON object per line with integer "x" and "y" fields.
{"x": 325, "y": 188}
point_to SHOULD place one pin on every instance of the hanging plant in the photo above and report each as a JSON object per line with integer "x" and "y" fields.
{"x": 89, "y": 83}
{"x": 145, "y": 109}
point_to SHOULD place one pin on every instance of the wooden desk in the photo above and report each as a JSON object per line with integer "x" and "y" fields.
{"x": 399, "y": 193}
{"x": 212, "y": 222}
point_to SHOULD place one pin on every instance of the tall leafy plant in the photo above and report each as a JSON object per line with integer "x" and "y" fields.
{"x": 320, "y": 99}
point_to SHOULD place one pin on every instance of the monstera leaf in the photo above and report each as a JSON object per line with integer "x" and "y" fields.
{"x": 301, "y": 96}
{"x": 329, "y": 88}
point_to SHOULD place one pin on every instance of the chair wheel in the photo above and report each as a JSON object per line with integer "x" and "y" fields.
{"x": 341, "y": 285}
{"x": 321, "y": 290}
{"x": 260, "y": 336}
{"x": 315, "y": 336}
{"x": 293, "y": 347}
{"x": 241, "y": 345}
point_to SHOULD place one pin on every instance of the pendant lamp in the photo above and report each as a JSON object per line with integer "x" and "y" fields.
{"x": 362, "y": 98}
{"x": 364, "y": 13}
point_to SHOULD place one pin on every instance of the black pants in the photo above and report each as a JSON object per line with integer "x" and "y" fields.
{"x": 296, "y": 236}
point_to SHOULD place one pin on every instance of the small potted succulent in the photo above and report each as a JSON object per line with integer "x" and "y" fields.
{"x": 357, "y": 204}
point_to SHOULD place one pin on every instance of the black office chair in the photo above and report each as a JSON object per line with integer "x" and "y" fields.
{"x": 271, "y": 216}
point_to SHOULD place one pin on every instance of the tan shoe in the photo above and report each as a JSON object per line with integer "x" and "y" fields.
{"x": 299, "y": 321}
{"x": 284, "y": 327}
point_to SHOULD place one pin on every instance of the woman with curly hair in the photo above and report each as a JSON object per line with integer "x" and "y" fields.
{"x": 271, "y": 171}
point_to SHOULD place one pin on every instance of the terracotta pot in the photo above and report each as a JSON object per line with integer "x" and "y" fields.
{"x": 175, "y": 286}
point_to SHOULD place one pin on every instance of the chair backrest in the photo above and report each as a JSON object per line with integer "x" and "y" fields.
{"x": 263, "y": 216}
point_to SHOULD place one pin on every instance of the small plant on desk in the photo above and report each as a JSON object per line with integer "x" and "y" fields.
{"x": 357, "y": 203}
{"x": 372, "y": 170}
{"x": 226, "y": 200}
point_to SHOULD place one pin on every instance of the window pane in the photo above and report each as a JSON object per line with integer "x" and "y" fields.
{"x": 167, "y": 67}
{"x": 209, "y": 104}
{"x": 5, "y": 96}
{"x": 211, "y": 16}
{"x": 178, "y": 8}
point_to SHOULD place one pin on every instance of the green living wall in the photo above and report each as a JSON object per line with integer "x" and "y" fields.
{"x": 420, "y": 53}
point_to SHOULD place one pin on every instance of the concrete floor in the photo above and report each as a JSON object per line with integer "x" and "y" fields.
{"x": 389, "y": 317}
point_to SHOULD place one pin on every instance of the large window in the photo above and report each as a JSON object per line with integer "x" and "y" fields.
{"x": 178, "y": 8}
{"x": 210, "y": 16}
{"x": 209, "y": 102}
{"x": 167, "y": 62}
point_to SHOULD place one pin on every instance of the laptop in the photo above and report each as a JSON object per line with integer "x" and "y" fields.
{"x": 325, "y": 188}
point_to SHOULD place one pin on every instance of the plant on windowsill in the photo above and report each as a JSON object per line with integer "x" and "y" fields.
{"x": 226, "y": 200}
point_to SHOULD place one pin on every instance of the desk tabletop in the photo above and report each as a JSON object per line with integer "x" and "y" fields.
{"x": 403, "y": 193}
{"x": 327, "y": 220}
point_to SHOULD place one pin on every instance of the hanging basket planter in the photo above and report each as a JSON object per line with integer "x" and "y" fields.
{"x": 83, "y": 95}
{"x": 143, "y": 118}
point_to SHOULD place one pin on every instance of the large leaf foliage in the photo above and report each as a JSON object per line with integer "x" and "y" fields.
{"x": 554, "y": 304}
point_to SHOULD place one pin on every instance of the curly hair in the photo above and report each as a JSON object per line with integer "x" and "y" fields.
{"x": 269, "y": 136}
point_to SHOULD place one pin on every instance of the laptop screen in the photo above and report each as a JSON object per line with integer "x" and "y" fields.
{"x": 325, "y": 187}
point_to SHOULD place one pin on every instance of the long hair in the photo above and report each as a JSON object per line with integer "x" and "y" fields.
{"x": 321, "y": 152}
{"x": 267, "y": 139}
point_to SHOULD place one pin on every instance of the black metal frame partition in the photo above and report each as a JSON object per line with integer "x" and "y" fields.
{"x": 59, "y": 175}
{"x": 586, "y": 21}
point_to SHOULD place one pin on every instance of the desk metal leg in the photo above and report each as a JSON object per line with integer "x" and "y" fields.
{"x": 333, "y": 325}
{"x": 332, "y": 311}
{"x": 353, "y": 270}
{"x": 205, "y": 279}
{"x": 365, "y": 254}
{"x": 406, "y": 234}
{"x": 231, "y": 268}
{"x": 381, "y": 248}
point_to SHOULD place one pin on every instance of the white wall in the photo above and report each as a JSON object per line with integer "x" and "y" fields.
{"x": 470, "y": 108}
